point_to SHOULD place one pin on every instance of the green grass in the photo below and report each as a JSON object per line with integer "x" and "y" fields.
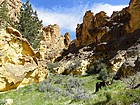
{"x": 72, "y": 90}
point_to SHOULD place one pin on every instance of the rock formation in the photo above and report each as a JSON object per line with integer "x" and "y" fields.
{"x": 101, "y": 41}
{"x": 92, "y": 29}
{"x": 53, "y": 43}
{"x": 73, "y": 66}
{"x": 14, "y": 8}
{"x": 113, "y": 39}
{"x": 18, "y": 61}
{"x": 100, "y": 28}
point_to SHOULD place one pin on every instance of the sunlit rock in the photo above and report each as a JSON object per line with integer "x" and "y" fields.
{"x": 18, "y": 61}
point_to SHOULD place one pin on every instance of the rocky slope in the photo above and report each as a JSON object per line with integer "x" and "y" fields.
{"x": 111, "y": 40}
{"x": 18, "y": 61}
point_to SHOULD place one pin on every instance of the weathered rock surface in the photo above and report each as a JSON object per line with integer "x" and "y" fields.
{"x": 134, "y": 10}
{"x": 100, "y": 28}
{"x": 53, "y": 43}
{"x": 14, "y": 8}
{"x": 18, "y": 61}
{"x": 73, "y": 66}
{"x": 113, "y": 39}
{"x": 92, "y": 29}
{"x": 119, "y": 24}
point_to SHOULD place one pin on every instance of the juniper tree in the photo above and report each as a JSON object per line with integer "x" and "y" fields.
{"x": 29, "y": 24}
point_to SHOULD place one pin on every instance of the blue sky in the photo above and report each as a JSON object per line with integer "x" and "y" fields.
{"x": 68, "y": 13}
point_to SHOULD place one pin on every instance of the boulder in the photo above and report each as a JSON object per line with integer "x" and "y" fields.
{"x": 18, "y": 61}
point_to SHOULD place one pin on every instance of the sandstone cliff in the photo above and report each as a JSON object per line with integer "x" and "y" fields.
{"x": 18, "y": 61}
{"x": 100, "y": 28}
{"x": 52, "y": 43}
{"x": 113, "y": 40}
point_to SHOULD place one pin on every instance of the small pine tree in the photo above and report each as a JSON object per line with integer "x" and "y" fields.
{"x": 4, "y": 17}
{"x": 29, "y": 24}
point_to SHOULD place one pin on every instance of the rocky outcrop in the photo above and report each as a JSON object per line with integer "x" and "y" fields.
{"x": 101, "y": 28}
{"x": 18, "y": 61}
{"x": 52, "y": 43}
{"x": 67, "y": 39}
{"x": 73, "y": 66}
{"x": 134, "y": 10}
{"x": 113, "y": 40}
{"x": 92, "y": 29}
{"x": 82, "y": 31}
{"x": 128, "y": 60}
{"x": 14, "y": 8}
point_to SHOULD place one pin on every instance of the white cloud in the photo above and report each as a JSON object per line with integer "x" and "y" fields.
{"x": 68, "y": 18}
{"x": 107, "y": 8}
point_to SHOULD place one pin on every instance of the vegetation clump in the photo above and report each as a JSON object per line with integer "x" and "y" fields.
{"x": 29, "y": 24}
{"x": 4, "y": 14}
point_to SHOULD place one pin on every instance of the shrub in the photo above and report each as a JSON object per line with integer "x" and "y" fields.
{"x": 51, "y": 65}
{"x": 64, "y": 86}
{"x": 73, "y": 65}
{"x": 100, "y": 68}
{"x": 73, "y": 84}
{"x": 133, "y": 81}
{"x": 96, "y": 67}
{"x": 103, "y": 75}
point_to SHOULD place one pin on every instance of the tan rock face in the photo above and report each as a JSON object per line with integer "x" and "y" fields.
{"x": 118, "y": 60}
{"x": 100, "y": 28}
{"x": 82, "y": 31}
{"x": 100, "y": 19}
{"x": 112, "y": 40}
{"x": 53, "y": 43}
{"x": 67, "y": 39}
{"x": 134, "y": 10}
{"x": 75, "y": 67}
{"x": 18, "y": 62}
{"x": 92, "y": 29}
{"x": 52, "y": 33}
{"x": 13, "y": 31}
{"x": 14, "y": 8}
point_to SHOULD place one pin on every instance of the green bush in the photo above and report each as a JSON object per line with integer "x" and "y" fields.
{"x": 96, "y": 67}
{"x": 51, "y": 65}
{"x": 100, "y": 68}
{"x": 103, "y": 74}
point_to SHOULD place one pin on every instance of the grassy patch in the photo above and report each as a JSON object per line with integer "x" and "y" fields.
{"x": 72, "y": 90}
